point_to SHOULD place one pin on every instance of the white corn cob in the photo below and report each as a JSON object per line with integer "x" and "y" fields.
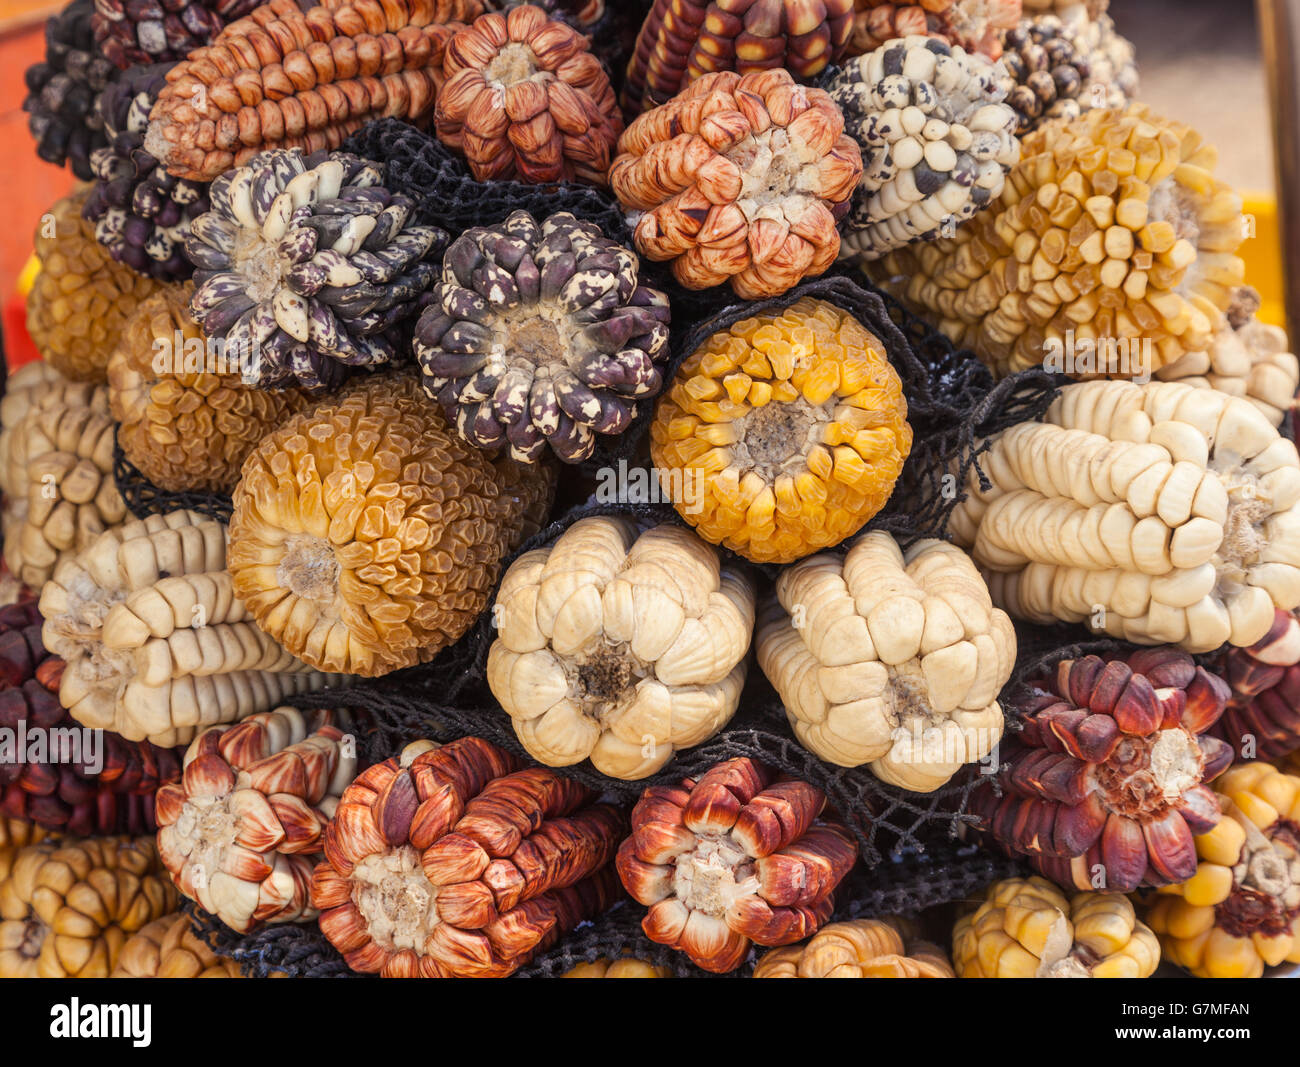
{"x": 888, "y": 659}
{"x": 157, "y": 645}
{"x": 1158, "y": 513}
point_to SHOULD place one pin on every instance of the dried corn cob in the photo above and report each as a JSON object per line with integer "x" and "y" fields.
{"x": 1111, "y": 253}
{"x": 67, "y": 906}
{"x": 157, "y": 644}
{"x": 285, "y": 77}
{"x": 1027, "y": 928}
{"x": 56, "y": 470}
{"x": 171, "y": 948}
{"x": 739, "y": 179}
{"x": 453, "y": 862}
{"x": 682, "y": 40}
{"x": 1158, "y": 513}
{"x": 1240, "y": 912}
{"x": 526, "y": 100}
{"x": 242, "y": 829}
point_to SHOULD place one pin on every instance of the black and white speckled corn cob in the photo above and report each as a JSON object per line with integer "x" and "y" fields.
{"x": 309, "y": 265}
{"x": 540, "y": 333}
{"x": 140, "y": 212}
{"x": 937, "y": 141}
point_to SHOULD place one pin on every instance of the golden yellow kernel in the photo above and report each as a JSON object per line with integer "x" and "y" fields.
{"x": 1111, "y": 219}
{"x": 783, "y": 472}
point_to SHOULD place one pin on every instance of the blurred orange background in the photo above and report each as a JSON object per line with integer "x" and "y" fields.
{"x": 29, "y": 185}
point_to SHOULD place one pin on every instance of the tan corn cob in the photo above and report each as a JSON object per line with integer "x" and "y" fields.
{"x": 889, "y": 659}
{"x": 858, "y": 948}
{"x": 620, "y": 647}
{"x": 67, "y": 906}
{"x": 170, "y": 948}
{"x": 56, "y": 470}
{"x": 1026, "y": 928}
{"x": 1111, "y": 228}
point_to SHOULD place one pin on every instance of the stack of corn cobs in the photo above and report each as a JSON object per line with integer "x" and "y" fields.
{"x": 394, "y": 408}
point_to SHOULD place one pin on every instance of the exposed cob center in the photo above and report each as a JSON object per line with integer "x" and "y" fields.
{"x": 260, "y": 263}
{"x": 80, "y": 629}
{"x": 779, "y": 176}
{"x": 32, "y": 937}
{"x": 535, "y": 335}
{"x": 1061, "y": 957}
{"x": 713, "y": 875}
{"x": 1069, "y": 967}
{"x": 777, "y": 437}
{"x": 1175, "y": 204}
{"x": 604, "y": 680}
{"x": 1243, "y": 536}
{"x": 209, "y": 824}
{"x": 907, "y": 693}
{"x": 515, "y": 63}
{"x": 1172, "y": 203}
{"x": 1145, "y": 776}
{"x": 395, "y": 898}
{"x": 1265, "y": 897}
{"x": 309, "y": 569}
{"x": 921, "y": 733}
{"x": 104, "y": 668}
{"x": 605, "y": 675}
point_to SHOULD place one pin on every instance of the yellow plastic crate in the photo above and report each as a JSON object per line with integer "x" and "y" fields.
{"x": 1262, "y": 251}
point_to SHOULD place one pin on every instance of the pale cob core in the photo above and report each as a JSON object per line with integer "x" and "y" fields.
{"x": 309, "y": 569}
{"x": 713, "y": 875}
{"x": 1145, "y": 776}
{"x": 1069, "y": 967}
{"x": 1174, "y": 204}
{"x": 82, "y": 624}
{"x": 907, "y": 694}
{"x": 779, "y": 176}
{"x": 1243, "y": 540}
{"x": 515, "y": 63}
{"x": 210, "y": 825}
{"x": 603, "y": 679}
{"x": 776, "y": 438}
{"x": 1265, "y": 897}
{"x": 395, "y": 898}
{"x": 537, "y": 335}
{"x": 259, "y": 262}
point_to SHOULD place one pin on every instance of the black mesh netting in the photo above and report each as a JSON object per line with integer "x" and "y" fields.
{"x": 144, "y": 498}
{"x": 418, "y": 165}
{"x": 945, "y": 873}
{"x": 883, "y": 817}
